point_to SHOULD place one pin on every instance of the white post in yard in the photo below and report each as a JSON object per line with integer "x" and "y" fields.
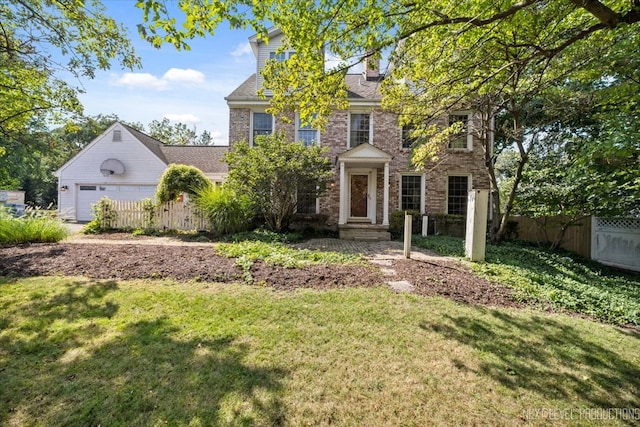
{"x": 475, "y": 240}
{"x": 407, "y": 235}
{"x": 425, "y": 225}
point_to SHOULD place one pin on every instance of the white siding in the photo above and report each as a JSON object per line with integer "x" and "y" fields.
{"x": 142, "y": 167}
{"x": 263, "y": 55}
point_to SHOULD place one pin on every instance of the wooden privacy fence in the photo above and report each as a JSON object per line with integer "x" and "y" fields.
{"x": 577, "y": 237}
{"x": 144, "y": 214}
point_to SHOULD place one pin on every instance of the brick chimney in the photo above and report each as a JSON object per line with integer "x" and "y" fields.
{"x": 371, "y": 68}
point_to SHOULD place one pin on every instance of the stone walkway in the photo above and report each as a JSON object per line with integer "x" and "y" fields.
{"x": 381, "y": 254}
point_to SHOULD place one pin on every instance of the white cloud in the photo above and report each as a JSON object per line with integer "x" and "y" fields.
{"x": 149, "y": 81}
{"x": 242, "y": 49}
{"x": 184, "y": 75}
{"x": 184, "y": 118}
{"x": 140, "y": 80}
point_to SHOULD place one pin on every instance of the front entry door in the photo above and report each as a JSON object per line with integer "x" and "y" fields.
{"x": 359, "y": 199}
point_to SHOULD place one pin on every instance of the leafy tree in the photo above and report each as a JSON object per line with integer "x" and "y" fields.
{"x": 178, "y": 179}
{"x": 178, "y": 133}
{"x": 272, "y": 171}
{"x": 500, "y": 58}
{"x": 40, "y": 38}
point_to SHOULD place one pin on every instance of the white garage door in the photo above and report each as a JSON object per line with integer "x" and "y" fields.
{"x": 88, "y": 194}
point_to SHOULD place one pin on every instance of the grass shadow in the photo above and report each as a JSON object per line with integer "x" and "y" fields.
{"x": 542, "y": 355}
{"x": 146, "y": 372}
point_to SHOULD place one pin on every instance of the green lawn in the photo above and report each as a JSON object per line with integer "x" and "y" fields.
{"x": 557, "y": 280}
{"x": 76, "y": 352}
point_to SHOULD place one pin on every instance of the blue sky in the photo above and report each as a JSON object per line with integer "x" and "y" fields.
{"x": 184, "y": 86}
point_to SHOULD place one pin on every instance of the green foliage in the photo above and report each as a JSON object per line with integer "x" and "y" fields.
{"x": 271, "y": 171}
{"x": 276, "y": 253}
{"x": 227, "y": 211}
{"x": 396, "y": 222}
{"x": 178, "y": 179}
{"x": 443, "y": 245}
{"x": 103, "y": 216}
{"x": 149, "y": 209}
{"x": 41, "y": 38}
{"x": 267, "y": 236}
{"x": 563, "y": 281}
{"x": 178, "y": 133}
{"x": 31, "y": 229}
{"x": 496, "y": 58}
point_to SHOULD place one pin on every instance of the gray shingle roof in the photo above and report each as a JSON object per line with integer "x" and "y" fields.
{"x": 247, "y": 90}
{"x": 149, "y": 142}
{"x": 207, "y": 158}
{"x": 359, "y": 88}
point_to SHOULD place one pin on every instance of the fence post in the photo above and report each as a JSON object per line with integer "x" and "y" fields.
{"x": 407, "y": 235}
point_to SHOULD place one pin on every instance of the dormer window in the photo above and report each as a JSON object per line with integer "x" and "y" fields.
{"x": 117, "y": 136}
{"x": 280, "y": 56}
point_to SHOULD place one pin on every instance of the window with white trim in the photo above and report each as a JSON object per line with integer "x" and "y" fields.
{"x": 306, "y": 133}
{"x": 461, "y": 140}
{"x": 262, "y": 124}
{"x": 359, "y": 129}
{"x": 411, "y": 192}
{"x": 117, "y": 135}
{"x": 280, "y": 56}
{"x": 457, "y": 190}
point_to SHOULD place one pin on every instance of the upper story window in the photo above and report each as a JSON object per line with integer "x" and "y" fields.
{"x": 306, "y": 133}
{"x": 407, "y": 139}
{"x": 359, "y": 129}
{"x": 280, "y": 56}
{"x": 461, "y": 140}
{"x": 117, "y": 135}
{"x": 262, "y": 124}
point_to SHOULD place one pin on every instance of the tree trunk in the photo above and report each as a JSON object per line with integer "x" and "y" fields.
{"x": 524, "y": 156}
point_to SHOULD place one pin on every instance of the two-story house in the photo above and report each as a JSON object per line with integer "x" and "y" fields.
{"x": 370, "y": 153}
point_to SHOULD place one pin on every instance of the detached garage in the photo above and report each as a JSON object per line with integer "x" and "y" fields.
{"x": 126, "y": 164}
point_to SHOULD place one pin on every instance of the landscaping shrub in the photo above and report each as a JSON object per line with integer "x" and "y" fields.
{"x": 103, "y": 215}
{"x": 178, "y": 179}
{"x": 268, "y": 236}
{"x": 30, "y": 229}
{"x": 396, "y": 223}
{"x": 227, "y": 211}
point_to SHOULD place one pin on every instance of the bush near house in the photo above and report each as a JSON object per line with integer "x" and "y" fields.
{"x": 272, "y": 172}
{"x": 227, "y": 211}
{"x": 396, "y": 223}
{"x": 178, "y": 179}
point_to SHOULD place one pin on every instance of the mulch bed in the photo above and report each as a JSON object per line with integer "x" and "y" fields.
{"x": 146, "y": 261}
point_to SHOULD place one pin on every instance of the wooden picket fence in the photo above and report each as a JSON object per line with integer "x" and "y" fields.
{"x": 166, "y": 216}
